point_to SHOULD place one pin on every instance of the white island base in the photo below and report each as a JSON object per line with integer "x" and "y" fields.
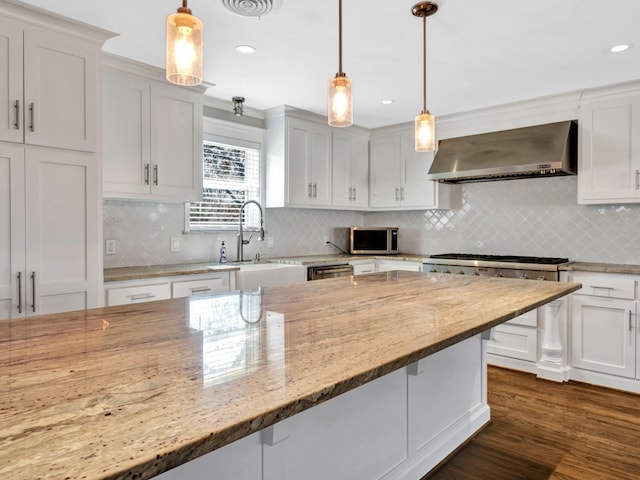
{"x": 399, "y": 426}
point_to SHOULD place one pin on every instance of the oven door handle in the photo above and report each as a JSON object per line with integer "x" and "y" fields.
{"x": 346, "y": 269}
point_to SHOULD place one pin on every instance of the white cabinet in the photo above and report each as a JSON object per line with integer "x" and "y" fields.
{"x": 603, "y": 324}
{"x": 609, "y": 163}
{"x": 152, "y": 138}
{"x": 49, "y": 245}
{"x": 49, "y": 91}
{"x": 398, "y": 176}
{"x": 161, "y": 288}
{"x": 389, "y": 265}
{"x": 515, "y": 339}
{"x": 362, "y": 267}
{"x": 298, "y": 161}
{"x": 350, "y": 169}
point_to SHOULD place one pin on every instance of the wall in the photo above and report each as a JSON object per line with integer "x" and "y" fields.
{"x": 143, "y": 231}
{"x": 538, "y": 217}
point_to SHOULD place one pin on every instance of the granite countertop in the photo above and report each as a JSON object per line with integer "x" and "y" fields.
{"x": 152, "y": 271}
{"x": 133, "y": 390}
{"x": 341, "y": 257}
{"x": 602, "y": 267}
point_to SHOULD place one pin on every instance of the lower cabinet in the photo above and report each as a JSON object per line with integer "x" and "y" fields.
{"x": 146, "y": 290}
{"x": 515, "y": 339}
{"x": 604, "y": 330}
{"x": 397, "y": 427}
{"x": 388, "y": 265}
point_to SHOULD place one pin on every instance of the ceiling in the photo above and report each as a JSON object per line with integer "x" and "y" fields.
{"x": 479, "y": 53}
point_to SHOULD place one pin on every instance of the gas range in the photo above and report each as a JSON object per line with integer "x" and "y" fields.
{"x": 508, "y": 266}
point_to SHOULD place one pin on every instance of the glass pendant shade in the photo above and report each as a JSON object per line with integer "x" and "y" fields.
{"x": 340, "y": 105}
{"x": 184, "y": 48}
{"x": 425, "y": 132}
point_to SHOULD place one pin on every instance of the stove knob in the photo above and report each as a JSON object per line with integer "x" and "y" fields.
{"x": 541, "y": 277}
{"x": 460, "y": 272}
{"x": 523, "y": 276}
{"x": 498, "y": 274}
{"x": 433, "y": 270}
{"x": 447, "y": 271}
{"x": 477, "y": 274}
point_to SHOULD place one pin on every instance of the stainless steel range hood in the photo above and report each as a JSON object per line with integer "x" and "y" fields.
{"x": 541, "y": 150}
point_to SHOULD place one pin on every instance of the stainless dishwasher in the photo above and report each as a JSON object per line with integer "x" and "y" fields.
{"x": 319, "y": 272}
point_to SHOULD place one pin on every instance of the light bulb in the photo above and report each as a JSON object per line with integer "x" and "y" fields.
{"x": 340, "y": 102}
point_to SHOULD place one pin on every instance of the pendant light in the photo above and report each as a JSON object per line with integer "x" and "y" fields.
{"x": 424, "y": 123}
{"x": 184, "y": 47}
{"x": 340, "y": 100}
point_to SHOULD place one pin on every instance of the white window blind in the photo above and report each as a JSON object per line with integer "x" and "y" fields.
{"x": 231, "y": 176}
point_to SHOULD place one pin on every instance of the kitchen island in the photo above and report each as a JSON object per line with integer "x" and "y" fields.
{"x": 133, "y": 391}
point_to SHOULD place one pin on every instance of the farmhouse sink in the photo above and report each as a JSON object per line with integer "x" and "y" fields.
{"x": 253, "y": 275}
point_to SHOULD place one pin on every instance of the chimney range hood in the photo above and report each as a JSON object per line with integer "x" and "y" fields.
{"x": 538, "y": 151}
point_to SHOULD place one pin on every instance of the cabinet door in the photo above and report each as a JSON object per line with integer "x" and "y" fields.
{"x": 60, "y": 91}
{"x": 176, "y": 143}
{"x": 609, "y": 167}
{"x": 62, "y": 225}
{"x": 384, "y": 176}
{"x": 602, "y": 335}
{"x": 12, "y": 230}
{"x": 321, "y": 165}
{"x": 11, "y": 103}
{"x": 350, "y": 170}
{"x": 417, "y": 190}
{"x": 299, "y": 183}
{"x": 126, "y": 137}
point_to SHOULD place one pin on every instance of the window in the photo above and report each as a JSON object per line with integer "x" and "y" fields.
{"x": 231, "y": 176}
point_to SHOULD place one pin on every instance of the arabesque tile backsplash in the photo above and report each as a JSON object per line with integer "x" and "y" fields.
{"x": 521, "y": 217}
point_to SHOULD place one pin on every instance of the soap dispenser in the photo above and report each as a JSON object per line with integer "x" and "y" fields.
{"x": 223, "y": 253}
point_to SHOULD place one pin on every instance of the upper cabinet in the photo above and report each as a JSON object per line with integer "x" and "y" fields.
{"x": 350, "y": 161}
{"x": 298, "y": 161}
{"x": 48, "y": 94}
{"x": 609, "y": 161}
{"x": 152, "y": 136}
{"x": 398, "y": 176}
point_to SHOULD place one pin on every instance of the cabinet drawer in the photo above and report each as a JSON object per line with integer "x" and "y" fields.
{"x": 138, "y": 294}
{"x": 605, "y": 285}
{"x": 197, "y": 287}
{"x": 514, "y": 341}
{"x": 363, "y": 268}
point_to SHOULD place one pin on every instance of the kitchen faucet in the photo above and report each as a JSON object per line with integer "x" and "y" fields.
{"x": 241, "y": 241}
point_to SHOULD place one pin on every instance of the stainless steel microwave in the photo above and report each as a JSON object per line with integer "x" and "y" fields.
{"x": 373, "y": 240}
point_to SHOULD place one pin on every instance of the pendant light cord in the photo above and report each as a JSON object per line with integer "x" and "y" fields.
{"x": 424, "y": 64}
{"x": 339, "y": 36}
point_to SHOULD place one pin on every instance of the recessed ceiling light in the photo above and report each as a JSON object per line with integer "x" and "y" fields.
{"x": 620, "y": 48}
{"x": 387, "y": 102}
{"x": 246, "y": 49}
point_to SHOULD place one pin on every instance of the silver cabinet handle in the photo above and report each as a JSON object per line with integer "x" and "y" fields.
{"x": 309, "y": 193}
{"x": 602, "y": 288}
{"x": 630, "y": 325}
{"x": 141, "y": 296}
{"x": 155, "y": 174}
{"x": 146, "y": 174}
{"x": 315, "y": 190}
{"x": 32, "y": 114}
{"x": 350, "y": 193}
{"x": 19, "y": 292}
{"x": 199, "y": 290}
{"x": 17, "y": 107}
{"x": 397, "y": 193}
{"x": 354, "y": 193}
{"x": 637, "y": 181}
{"x": 33, "y": 290}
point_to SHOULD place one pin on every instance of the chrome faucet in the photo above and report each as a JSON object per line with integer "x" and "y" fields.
{"x": 241, "y": 241}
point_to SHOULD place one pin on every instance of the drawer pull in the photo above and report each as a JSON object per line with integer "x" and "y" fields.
{"x": 602, "y": 288}
{"x": 17, "y": 108}
{"x": 19, "y": 292}
{"x": 199, "y": 289}
{"x": 630, "y": 324}
{"x": 141, "y": 296}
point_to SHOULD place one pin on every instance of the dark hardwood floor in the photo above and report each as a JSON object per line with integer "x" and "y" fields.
{"x": 544, "y": 430}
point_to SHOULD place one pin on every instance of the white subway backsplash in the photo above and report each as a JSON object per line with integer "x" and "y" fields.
{"x": 537, "y": 217}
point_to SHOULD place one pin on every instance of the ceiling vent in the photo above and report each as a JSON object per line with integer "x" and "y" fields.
{"x": 252, "y": 8}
